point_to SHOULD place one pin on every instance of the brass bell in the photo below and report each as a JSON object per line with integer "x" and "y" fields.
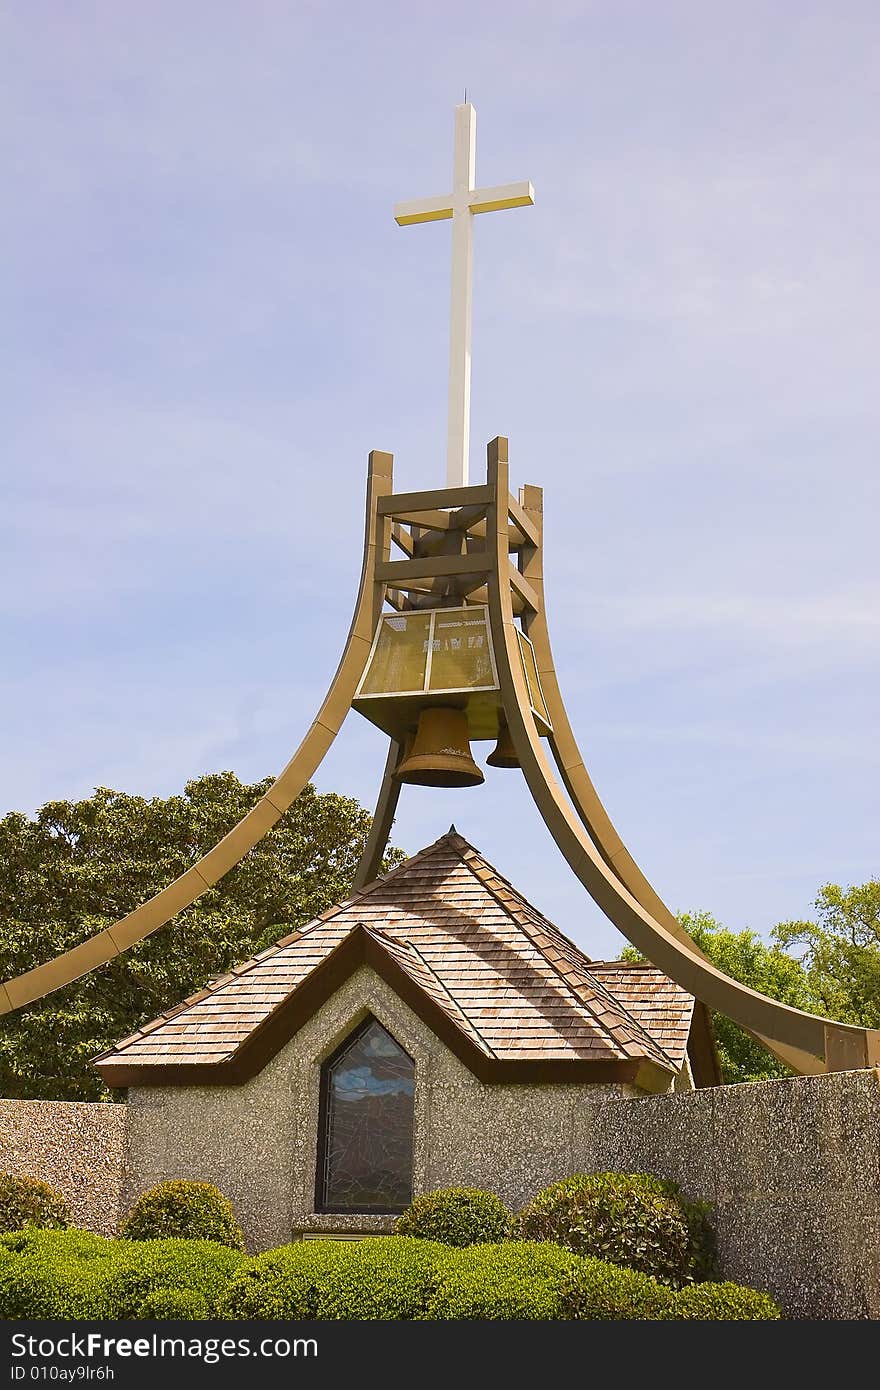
{"x": 440, "y": 755}
{"x": 504, "y": 753}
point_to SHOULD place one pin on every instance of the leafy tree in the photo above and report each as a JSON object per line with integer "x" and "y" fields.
{"x": 840, "y": 954}
{"x": 77, "y": 867}
{"x": 746, "y": 957}
{"x": 834, "y": 969}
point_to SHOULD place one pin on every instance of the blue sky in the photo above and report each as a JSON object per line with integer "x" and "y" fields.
{"x": 210, "y": 317}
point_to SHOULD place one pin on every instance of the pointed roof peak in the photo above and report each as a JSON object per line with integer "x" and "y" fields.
{"x": 461, "y": 937}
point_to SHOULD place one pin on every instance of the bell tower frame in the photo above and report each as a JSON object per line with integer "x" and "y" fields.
{"x": 478, "y": 544}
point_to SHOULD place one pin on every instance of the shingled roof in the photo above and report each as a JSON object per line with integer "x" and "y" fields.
{"x": 507, "y": 991}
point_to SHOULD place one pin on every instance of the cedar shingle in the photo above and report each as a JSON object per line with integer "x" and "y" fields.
{"x": 504, "y": 974}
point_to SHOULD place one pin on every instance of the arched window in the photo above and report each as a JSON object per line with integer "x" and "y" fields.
{"x": 366, "y": 1125}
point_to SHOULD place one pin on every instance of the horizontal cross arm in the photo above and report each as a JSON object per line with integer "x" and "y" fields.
{"x": 397, "y": 572}
{"x": 506, "y": 195}
{"x": 423, "y": 210}
{"x": 398, "y": 503}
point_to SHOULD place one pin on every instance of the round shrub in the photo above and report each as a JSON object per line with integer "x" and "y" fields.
{"x": 513, "y": 1282}
{"x": 724, "y": 1302}
{"x": 456, "y": 1216}
{"x": 75, "y": 1275}
{"x": 597, "y": 1291}
{"x": 629, "y": 1219}
{"x": 28, "y": 1202}
{"x": 173, "y": 1305}
{"x": 186, "y": 1211}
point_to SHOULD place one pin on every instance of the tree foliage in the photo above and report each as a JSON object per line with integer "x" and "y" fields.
{"x": 840, "y": 953}
{"x": 830, "y": 966}
{"x": 78, "y": 866}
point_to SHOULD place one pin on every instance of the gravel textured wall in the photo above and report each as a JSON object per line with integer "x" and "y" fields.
{"x": 78, "y": 1148}
{"x": 791, "y": 1168}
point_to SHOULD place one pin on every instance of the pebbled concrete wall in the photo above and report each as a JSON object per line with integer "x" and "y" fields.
{"x": 791, "y": 1168}
{"x": 77, "y": 1148}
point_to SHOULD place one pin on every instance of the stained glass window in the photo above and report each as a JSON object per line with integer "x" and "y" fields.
{"x": 366, "y": 1138}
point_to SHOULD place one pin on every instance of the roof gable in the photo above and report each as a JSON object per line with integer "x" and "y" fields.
{"x": 504, "y": 987}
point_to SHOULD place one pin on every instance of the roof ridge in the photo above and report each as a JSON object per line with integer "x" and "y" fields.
{"x": 219, "y": 982}
{"x": 485, "y": 871}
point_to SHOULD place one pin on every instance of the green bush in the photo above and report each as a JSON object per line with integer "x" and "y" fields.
{"x": 629, "y": 1219}
{"x": 284, "y": 1283}
{"x": 516, "y": 1281}
{"x": 724, "y": 1302}
{"x": 456, "y": 1216}
{"x": 28, "y": 1202}
{"x": 200, "y": 1267}
{"x": 74, "y": 1275}
{"x": 185, "y": 1211}
{"x": 72, "y": 1241}
{"x": 389, "y": 1277}
{"x": 55, "y": 1274}
{"x": 173, "y": 1305}
{"x": 594, "y": 1290}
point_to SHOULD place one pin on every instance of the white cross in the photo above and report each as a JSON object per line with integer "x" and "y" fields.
{"x": 460, "y": 205}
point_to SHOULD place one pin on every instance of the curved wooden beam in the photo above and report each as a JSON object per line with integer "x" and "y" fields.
{"x": 812, "y": 1043}
{"x": 571, "y": 767}
{"x": 150, "y": 916}
{"x": 383, "y": 818}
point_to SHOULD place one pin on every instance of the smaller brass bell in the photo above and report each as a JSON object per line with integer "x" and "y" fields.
{"x": 504, "y": 753}
{"x": 440, "y": 755}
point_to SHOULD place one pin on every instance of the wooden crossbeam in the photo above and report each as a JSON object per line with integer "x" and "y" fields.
{"x": 521, "y": 586}
{"x": 435, "y": 500}
{"x": 403, "y": 539}
{"x": 397, "y": 572}
{"x": 523, "y": 522}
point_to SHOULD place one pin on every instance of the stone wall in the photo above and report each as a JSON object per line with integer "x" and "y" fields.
{"x": 791, "y": 1168}
{"x": 79, "y": 1149}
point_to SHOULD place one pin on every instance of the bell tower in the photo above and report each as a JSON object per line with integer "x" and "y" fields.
{"x": 449, "y": 644}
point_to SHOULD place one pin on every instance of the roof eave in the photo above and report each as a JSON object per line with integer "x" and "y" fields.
{"x": 362, "y": 947}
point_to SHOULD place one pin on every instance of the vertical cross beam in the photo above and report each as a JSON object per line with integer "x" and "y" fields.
{"x": 461, "y": 205}
{"x": 458, "y": 433}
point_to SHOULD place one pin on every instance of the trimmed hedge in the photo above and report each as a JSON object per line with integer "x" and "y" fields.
{"x": 73, "y": 1275}
{"x": 385, "y": 1277}
{"x": 28, "y": 1202}
{"x": 54, "y": 1274}
{"x": 137, "y": 1269}
{"x": 456, "y": 1216}
{"x": 173, "y": 1305}
{"x": 630, "y": 1219}
{"x": 283, "y": 1283}
{"x": 519, "y": 1281}
{"x": 184, "y": 1211}
{"x": 724, "y": 1303}
{"x": 597, "y": 1291}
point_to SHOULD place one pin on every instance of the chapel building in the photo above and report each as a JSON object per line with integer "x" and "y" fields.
{"x": 434, "y": 1029}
